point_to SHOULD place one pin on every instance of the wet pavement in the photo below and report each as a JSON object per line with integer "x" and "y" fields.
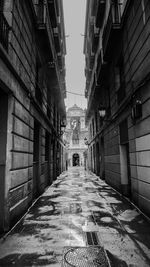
{"x": 79, "y": 215}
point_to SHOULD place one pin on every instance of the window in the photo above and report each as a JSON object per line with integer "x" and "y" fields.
{"x": 123, "y": 129}
{"x": 4, "y": 27}
{"x": 116, "y": 11}
{"x": 40, "y": 10}
{"x": 38, "y": 92}
{"x": 1, "y": 5}
{"x": 122, "y": 4}
{"x": 120, "y": 80}
{"x": 75, "y": 141}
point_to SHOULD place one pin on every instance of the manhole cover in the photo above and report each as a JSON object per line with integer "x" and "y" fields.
{"x": 93, "y": 256}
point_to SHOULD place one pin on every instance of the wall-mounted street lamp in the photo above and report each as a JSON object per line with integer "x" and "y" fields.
{"x": 102, "y": 113}
{"x": 62, "y": 128}
{"x": 136, "y": 111}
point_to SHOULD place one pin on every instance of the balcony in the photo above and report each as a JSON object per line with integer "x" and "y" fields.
{"x": 100, "y": 12}
{"x": 95, "y": 43}
{"x": 57, "y": 39}
{"x": 95, "y": 40}
{"x": 45, "y": 39}
{"x": 112, "y": 30}
{"x": 4, "y": 31}
{"x": 57, "y": 43}
{"x": 91, "y": 61}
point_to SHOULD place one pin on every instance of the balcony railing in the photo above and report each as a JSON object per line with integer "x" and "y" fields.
{"x": 57, "y": 39}
{"x": 95, "y": 39}
{"x": 4, "y": 31}
{"x": 95, "y": 42}
{"x": 112, "y": 28}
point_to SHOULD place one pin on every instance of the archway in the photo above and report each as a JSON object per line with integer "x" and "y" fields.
{"x": 75, "y": 160}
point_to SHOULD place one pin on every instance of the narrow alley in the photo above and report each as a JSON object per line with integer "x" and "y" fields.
{"x": 78, "y": 221}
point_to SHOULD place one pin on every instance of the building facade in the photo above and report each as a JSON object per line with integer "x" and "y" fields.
{"x": 117, "y": 53}
{"x": 32, "y": 109}
{"x": 74, "y": 136}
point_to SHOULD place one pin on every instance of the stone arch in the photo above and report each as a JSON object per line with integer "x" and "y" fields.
{"x": 75, "y": 159}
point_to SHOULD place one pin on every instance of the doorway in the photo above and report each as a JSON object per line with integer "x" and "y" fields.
{"x": 75, "y": 159}
{"x": 125, "y": 159}
{"x": 47, "y": 158}
{"x": 125, "y": 169}
{"x": 36, "y": 159}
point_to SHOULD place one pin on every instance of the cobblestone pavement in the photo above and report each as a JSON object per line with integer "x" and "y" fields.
{"x": 78, "y": 210}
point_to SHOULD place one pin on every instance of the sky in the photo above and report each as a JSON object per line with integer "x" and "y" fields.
{"x": 74, "y": 18}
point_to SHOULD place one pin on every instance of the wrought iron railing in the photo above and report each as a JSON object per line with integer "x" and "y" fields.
{"x": 4, "y": 31}
{"x": 95, "y": 42}
{"x": 92, "y": 60}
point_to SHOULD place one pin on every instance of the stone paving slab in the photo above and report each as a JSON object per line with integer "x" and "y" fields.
{"x": 76, "y": 209}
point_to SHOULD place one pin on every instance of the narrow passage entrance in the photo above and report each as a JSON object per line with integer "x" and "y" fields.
{"x": 75, "y": 160}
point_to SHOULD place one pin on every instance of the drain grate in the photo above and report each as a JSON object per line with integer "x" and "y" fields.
{"x": 72, "y": 208}
{"x": 93, "y": 256}
{"x": 92, "y": 238}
